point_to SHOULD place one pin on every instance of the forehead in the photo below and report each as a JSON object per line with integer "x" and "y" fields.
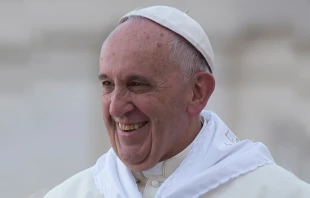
{"x": 138, "y": 32}
{"x": 138, "y": 45}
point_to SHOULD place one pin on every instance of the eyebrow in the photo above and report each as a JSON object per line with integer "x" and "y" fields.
{"x": 129, "y": 78}
{"x": 137, "y": 77}
{"x": 102, "y": 76}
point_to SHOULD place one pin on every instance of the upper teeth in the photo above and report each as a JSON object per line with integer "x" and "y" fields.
{"x": 126, "y": 127}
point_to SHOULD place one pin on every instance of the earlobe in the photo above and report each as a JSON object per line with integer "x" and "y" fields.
{"x": 202, "y": 89}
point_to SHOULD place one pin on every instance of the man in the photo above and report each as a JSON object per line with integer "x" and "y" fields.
{"x": 156, "y": 75}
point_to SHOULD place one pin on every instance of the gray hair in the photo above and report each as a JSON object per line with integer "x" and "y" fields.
{"x": 182, "y": 53}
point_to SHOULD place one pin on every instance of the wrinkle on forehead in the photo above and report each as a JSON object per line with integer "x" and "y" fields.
{"x": 141, "y": 32}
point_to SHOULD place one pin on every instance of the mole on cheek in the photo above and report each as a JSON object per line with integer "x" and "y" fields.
{"x": 158, "y": 45}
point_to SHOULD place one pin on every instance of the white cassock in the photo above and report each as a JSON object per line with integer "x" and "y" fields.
{"x": 215, "y": 165}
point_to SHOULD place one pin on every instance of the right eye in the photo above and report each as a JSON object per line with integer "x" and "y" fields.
{"x": 106, "y": 83}
{"x": 107, "y": 87}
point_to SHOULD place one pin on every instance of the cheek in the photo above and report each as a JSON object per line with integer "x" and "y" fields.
{"x": 144, "y": 103}
{"x": 105, "y": 99}
{"x": 105, "y": 105}
{"x": 156, "y": 108}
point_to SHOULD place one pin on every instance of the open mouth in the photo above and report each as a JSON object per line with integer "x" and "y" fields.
{"x": 131, "y": 127}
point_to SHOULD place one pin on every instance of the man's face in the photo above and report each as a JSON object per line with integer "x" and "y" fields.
{"x": 144, "y": 98}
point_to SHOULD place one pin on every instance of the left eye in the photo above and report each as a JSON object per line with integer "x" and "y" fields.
{"x": 135, "y": 84}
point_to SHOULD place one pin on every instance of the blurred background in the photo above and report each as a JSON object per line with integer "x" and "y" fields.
{"x": 51, "y": 125}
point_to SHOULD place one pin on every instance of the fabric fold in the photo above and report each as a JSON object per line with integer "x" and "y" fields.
{"x": 216, "y": 157}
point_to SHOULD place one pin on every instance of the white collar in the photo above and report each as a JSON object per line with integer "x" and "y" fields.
{"x": 165, "y": 168}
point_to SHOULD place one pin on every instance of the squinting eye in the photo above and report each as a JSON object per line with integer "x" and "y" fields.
{"x": 106, "y": 83}
{"x": 135, "y": 84}
{"x": 107, "y": 87}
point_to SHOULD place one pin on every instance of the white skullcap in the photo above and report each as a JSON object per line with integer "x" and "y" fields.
{"x": 180, "y": 23}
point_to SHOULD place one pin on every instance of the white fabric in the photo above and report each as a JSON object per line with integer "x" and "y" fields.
{"x": 180, "y": 23}
{"x": 167, "y": 168}
{"x": 156, "y": 170}
{"x": 215, "y": 158}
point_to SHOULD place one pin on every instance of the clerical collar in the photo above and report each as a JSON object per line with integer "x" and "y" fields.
{"x": 163, "y": 169}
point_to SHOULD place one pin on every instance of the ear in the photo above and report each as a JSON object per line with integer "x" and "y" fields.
{"x": 203, "y": 85}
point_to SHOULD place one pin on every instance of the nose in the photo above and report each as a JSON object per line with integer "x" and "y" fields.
{"x": 120, "y": 104}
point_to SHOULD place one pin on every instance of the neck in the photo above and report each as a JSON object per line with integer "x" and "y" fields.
{"x": 187, "y": 138}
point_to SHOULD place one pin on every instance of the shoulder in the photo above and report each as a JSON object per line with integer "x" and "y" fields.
{"x": 78, "y": 186}
{"x": 83, "y": 184}
{"x": 265, "y": 182}
{"x": 276, "y": 179}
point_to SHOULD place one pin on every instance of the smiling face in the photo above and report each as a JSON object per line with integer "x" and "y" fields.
{"x": 144, "y": 96}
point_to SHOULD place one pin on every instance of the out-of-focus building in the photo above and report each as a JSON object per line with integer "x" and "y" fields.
{"x": 51, "y": 125}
